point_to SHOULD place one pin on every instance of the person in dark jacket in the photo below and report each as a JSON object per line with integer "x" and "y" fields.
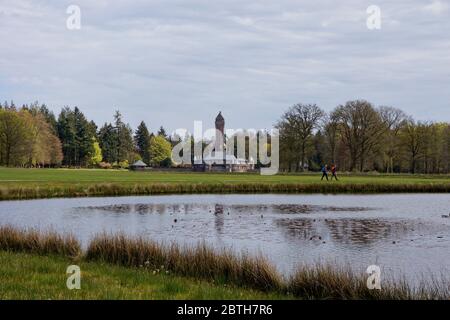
{"x": 333, "y": 172}
{"x": 324, "y": 172}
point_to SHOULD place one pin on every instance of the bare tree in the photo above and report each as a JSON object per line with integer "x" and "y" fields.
{"x": 298, "y": 123}
{"x": 393, "y": 119}
{"x": 361, "y": 128}
{"x": 413, "y": 140}
{"x": 331, "y": 130}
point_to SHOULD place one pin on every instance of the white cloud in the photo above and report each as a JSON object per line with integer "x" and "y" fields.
{"x": 437, "y": 7}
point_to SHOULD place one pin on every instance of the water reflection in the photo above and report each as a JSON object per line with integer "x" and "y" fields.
{"x": 361, "y": 232}
{"x": 404, "y": 232}
{"x": 247, "y": 208}
{"x": 218, "y": 219}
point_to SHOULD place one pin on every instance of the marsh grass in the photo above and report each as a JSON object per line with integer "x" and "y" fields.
{"x": 325, "y": 281}
{"x": 320, "y": 281}
{"x": 33, "y": 241}
{"x": 116, "y": 189}
{"x": 194, "y": 261}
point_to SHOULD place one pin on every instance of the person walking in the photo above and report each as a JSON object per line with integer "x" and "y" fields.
{"x": 324, "y": 172}
{"x": 333, "y": 173}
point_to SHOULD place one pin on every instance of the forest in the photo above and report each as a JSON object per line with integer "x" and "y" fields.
{"x": 356, "y": 136}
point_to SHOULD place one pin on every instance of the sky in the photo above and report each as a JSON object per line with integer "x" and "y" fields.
{"x": 171, "y": 62}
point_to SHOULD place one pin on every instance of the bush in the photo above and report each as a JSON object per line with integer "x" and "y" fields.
{"x": 124, "y": 164}
{"x": 105, "y": 165}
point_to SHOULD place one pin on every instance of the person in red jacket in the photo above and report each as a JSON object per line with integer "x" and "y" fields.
{"x": 333, "y": 172}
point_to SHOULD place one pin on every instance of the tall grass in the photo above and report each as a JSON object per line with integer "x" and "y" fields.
{"x": 197, "y": 261}
{"x": 33, "y": 241}
{"x": 115, "y": 189}
{"x": 223, "y": 267}
{"x": 330, "y": 282}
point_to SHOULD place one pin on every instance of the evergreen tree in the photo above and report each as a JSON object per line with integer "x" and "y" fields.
{"x": 162, "y": 132}
{"x": 124, "y": 135}
{"x": 108, "y": 142}
{"x": 67, "y": 135}
{"x": 142, "y": 142}
{"x": 84, "y": 134}
{"x": 75, "y": 133}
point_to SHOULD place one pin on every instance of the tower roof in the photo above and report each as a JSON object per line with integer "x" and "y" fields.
{"x": 219, "y": 116}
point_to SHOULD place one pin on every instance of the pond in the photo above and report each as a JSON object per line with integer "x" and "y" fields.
{"x": 407, "y": 235}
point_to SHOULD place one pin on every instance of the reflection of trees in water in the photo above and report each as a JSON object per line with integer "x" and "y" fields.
{"x": 144, "y": 208}
{"x": 297, "y": 228}
{"x": 346, "y": 231}
{"x": 218, "y": 218}
{"x": 295, "y": 208}
{"x": 365, "y": 231}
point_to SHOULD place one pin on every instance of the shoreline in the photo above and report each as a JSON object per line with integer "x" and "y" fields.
{"x": 140, "y": 189}
{"x": 215, "y": 267}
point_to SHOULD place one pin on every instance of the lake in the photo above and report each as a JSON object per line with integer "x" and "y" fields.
{"x": 405, "y": 234}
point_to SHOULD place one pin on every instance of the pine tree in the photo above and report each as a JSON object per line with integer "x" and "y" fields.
{"x": 66, "y": 133}
{"x": 162, "y": 132}
{"x": 75, "y": 133}
{"x": 142, "y": 142}
{"x": 124, "y": 135}
{"x": 108, "y": 142}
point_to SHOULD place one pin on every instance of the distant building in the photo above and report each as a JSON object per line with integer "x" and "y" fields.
{"x": 219, "y": 160}
{"x": 138, "y": 165}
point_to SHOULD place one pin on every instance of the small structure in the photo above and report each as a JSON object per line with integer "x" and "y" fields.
{"x": 138, "y": 165}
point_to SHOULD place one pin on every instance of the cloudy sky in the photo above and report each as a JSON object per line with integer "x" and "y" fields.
{"x": 170, "y": 62}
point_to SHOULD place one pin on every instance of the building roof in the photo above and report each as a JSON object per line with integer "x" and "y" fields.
{"x": 229, "y": 158}
{"x": 139, "y": 163}
{"x": 219, "y": 116}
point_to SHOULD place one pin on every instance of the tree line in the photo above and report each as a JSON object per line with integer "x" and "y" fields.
{"x": 355, "y": 136}
{"x": 32, "y": 136}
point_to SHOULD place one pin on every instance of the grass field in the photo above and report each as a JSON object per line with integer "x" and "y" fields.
{"x": 31, "y": 276}
{"x": 45, "y": 183}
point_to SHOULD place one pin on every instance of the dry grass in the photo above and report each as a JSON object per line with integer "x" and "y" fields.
{"x": 330, "y": 282}
{"x": 198, "y": 261}
{"x": 116, "y": 189}
{"x": 33, "y": 241}
{"x": 224, "y": 267}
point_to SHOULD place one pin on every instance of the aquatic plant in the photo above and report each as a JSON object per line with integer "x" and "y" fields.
{"x": 195, "y": 261}
{"x": 33, "y": 241}
{"x": 321, "y": 281}
{"x": 116, "y": 189}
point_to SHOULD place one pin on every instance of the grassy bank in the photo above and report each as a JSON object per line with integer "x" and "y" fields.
{"x": 32, "y": 276}
{"x": 115, "y": 265}
{"x": 49, "y": 183}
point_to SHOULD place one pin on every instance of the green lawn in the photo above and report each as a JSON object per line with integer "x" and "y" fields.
{"x": 15, "y": 176}
{"x": 38, "y": 183}
{"x": 29, "y": 276}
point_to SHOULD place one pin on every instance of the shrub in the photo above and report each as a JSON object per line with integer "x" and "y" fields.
{"x": 104, "y": 165}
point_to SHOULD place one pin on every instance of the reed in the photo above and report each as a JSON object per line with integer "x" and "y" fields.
{"x": 321, "y": 281}
{"x": 195, "y": 261}
{"x": 33, "y": 241}
{"x": 331, "y": 282}
{"x": 115, "y": 189}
